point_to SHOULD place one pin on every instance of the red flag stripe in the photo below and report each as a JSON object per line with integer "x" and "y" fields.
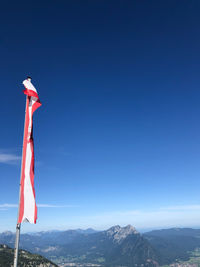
{"x": 30, "y": 93}
{"x": 21, "y": 207}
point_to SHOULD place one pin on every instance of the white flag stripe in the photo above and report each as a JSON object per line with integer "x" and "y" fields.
{"x": 29, "y": 199}
{"x": 28, "y": 85}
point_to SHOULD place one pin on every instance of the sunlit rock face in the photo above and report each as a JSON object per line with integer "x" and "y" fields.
{"x": 118, "y": 234}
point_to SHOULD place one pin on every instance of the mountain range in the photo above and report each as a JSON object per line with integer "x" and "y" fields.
{"x": 117, "y": 246}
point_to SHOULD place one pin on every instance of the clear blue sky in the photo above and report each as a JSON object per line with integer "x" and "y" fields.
{"x": 117, "y": 139}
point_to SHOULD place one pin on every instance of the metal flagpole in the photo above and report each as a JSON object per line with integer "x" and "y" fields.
{"x": 16, "y": 251}
{"x": 18, "y": 226}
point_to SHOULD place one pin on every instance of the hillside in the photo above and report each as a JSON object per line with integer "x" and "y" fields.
{"x": 26, "y": 259}
{"x": 175, "y": 243}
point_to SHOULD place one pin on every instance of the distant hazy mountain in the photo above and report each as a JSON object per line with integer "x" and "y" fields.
{"x": 41, "y": 239}
{"x": 175, "y": 232}
{"x": 87, "y": 231}
{"x": 26, "y": 259}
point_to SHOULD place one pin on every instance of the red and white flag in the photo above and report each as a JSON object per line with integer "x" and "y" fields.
{"x": 27, "y": 205}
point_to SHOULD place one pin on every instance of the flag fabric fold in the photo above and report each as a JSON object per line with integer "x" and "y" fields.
{"x": 27, "y": 205}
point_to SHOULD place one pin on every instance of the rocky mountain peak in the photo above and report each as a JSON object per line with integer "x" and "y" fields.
{"x": 113, "y": 229}
{"x": 131, "y": 229}
{"x": 118, "y": 234}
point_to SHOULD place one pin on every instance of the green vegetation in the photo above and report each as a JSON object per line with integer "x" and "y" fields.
{"x": 194, "y": 260}
{"x": 101, "y": 260}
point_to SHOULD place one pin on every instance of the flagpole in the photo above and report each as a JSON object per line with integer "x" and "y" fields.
{"x": 16, "y": 250}
{"x": 18, "y": 226}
